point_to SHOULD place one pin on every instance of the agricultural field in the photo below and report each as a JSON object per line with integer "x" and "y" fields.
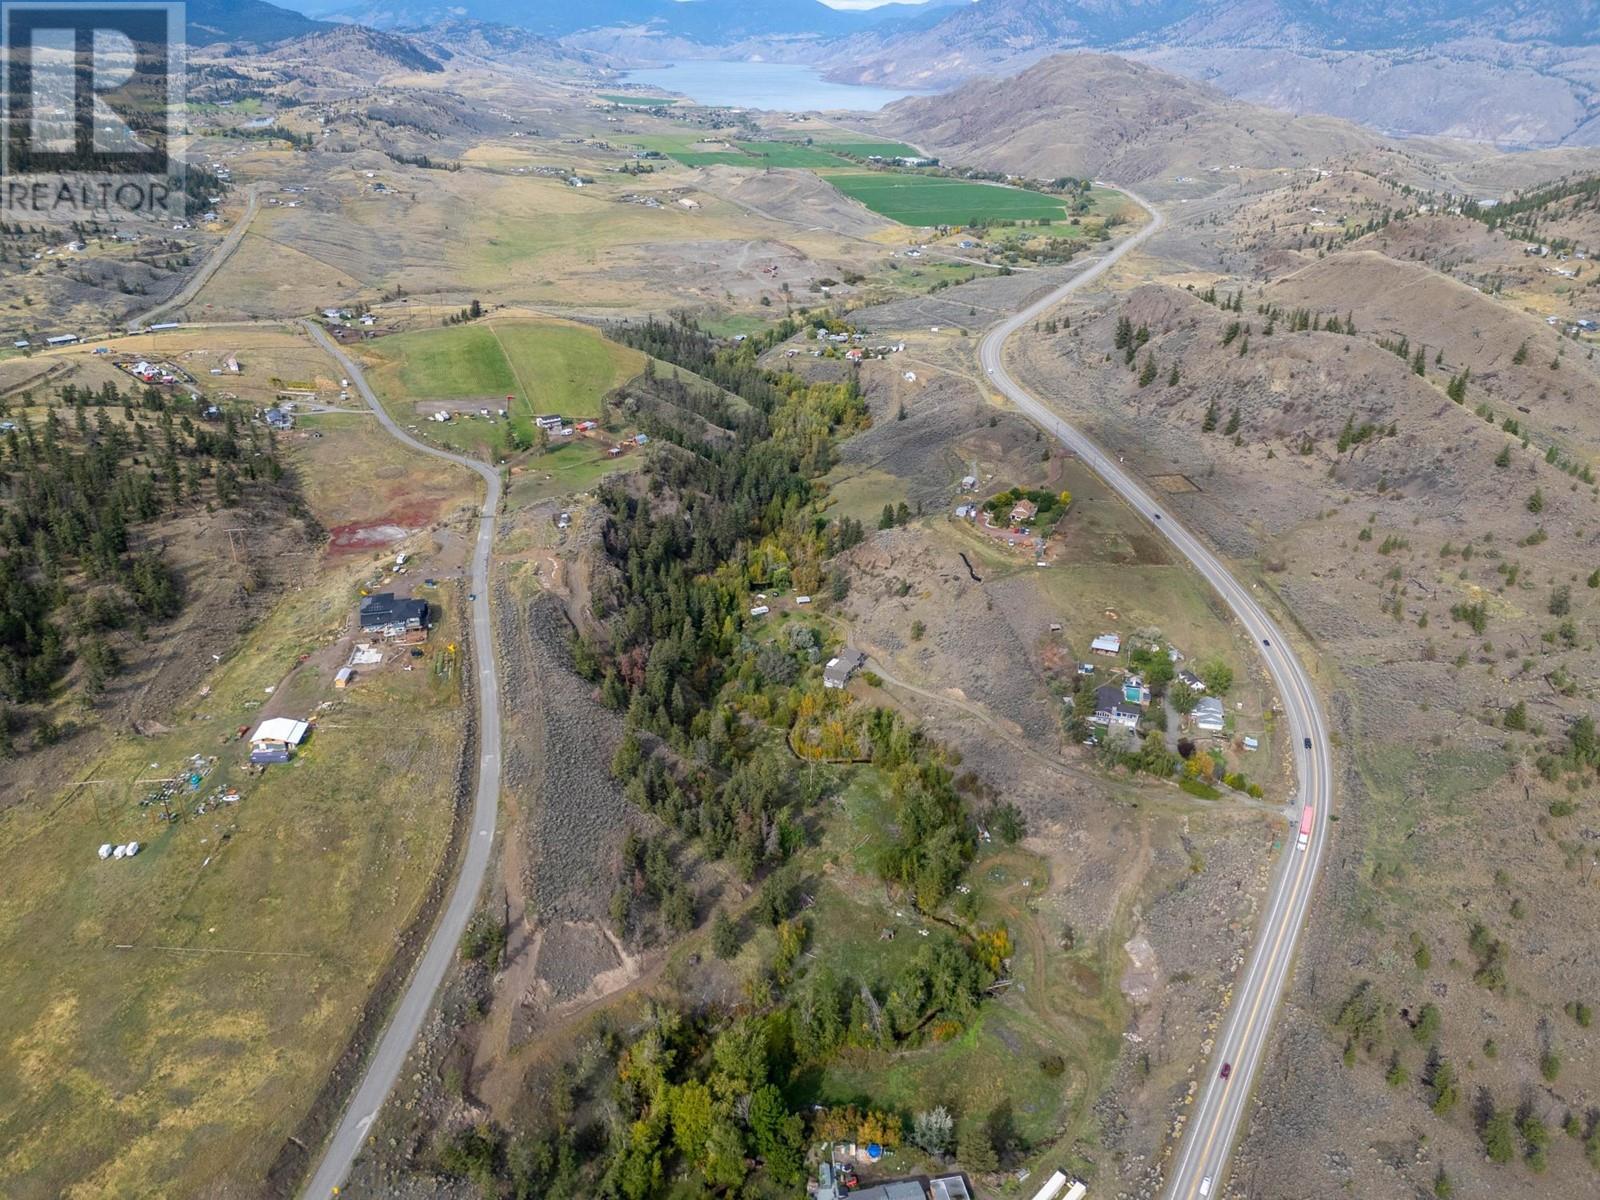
{"x": 171, "y": 1017}
{"x": 641, "y": 101}
{"x": 791, "y": 154}
{"x": 547, "y": 366}
{"x": 933, "y": 200}
{"x": 869, "y": 149}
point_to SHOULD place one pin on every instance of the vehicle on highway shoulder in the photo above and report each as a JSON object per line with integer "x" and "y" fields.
{"x": 1307, "y": 820}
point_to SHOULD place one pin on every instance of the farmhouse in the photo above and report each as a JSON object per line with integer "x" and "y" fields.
{"x": 549, "y": 423}
{"x": 1112, "y": 709}
{"x": 390, "y": 616}
{"x": 839, "y": 669}
{"x": 1208, "y": 715}
{"x": 1023, "y": 510}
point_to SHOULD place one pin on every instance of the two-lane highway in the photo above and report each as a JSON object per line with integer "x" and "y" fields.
{"x": 383, "y": 1068}
{"x": 1220, "y": 1107}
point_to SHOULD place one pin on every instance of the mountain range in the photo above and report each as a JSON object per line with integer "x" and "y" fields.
{"x": 1517, "y": 73}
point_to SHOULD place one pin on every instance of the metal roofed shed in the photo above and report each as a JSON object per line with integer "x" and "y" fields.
{"x": 278, "y": 733}
{"x": 949, "y": 1187}
{"x": 1107, "y": 643}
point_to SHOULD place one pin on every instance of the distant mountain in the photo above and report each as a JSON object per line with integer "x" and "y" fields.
{"x": 707, "y": 23}
{"x": 1519, "y": 72}
{"x": 252, "y": 21}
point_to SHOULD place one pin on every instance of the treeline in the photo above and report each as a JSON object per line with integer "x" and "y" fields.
{"x": 75, "y": 491}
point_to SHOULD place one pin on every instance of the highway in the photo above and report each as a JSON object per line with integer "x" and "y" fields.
{"x": 1219, "y": 1108}
{"x": 383, "y": 1067}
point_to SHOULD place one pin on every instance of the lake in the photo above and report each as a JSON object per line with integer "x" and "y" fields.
{"x": 786, "y": 86}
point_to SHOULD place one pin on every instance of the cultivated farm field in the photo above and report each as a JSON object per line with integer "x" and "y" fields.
{"x": 935, "y": 200}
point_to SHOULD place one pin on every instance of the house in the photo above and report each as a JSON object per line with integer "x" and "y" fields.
{"x": 278, "y": 733}
{"x": 969, "y": 483}
{"x": 840, "y": 668}
{"x": 855, "y": 354}
{"x": 1107, "y": 643}
{"x": 1191, "y": 681}
{"x": 1112, "y": 709}
{"x": 1023, "y": 511}
{"x": 967, "y": 512}
{"x": 1208, "y": 715}
{"x": 278, "y": 419}
{"x": 549, "y": 423}
{"x": 390, "y": 615}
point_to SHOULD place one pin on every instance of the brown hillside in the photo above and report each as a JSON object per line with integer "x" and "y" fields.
{"x": 1101, "y": 116}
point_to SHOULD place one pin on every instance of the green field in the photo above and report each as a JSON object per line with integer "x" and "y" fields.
{"x": 682, "y": 148}
{"x": 548, "y": 366}
{"x": 455, "y": 362}
{"x": 791, "y": 154}
{"x": 866, "y": 149}
{"x": 642, "y": 101}
{"x": 934, "y": 200}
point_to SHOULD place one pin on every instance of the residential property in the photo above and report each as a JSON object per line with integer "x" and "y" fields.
{"x": 1111, "y": 708}
{"x": 1192, "y": 681}
{"x": 1208, "y": 715}
{"x": 969, "y": 482}
{"x": 549, "y": 423}
{"x": 839, "y": 669}
{"x": 1023, "y": 511}
{"x": 388, "y": 615}
{"x": 278, "y": 419}
{"x": 274, "y": 738}
{"x": 1135, "y": 691}
{"x": 1107, "y": 643}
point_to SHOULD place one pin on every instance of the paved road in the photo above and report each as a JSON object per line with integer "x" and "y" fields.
{"x": 200, "y": 278}
{"x": 1216, "y": 1115}
{"x": 383, "y": 1068}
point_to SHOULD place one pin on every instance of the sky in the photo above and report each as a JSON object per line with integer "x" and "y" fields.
{"x": 860, "y": 4}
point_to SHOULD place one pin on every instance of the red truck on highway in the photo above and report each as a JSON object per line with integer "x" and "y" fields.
{"x": 1307, "y": 819}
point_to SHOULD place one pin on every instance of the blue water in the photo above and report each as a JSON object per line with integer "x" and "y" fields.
{"x": 787, "y": 86}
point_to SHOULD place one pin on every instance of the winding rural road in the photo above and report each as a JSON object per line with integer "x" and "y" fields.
{"x": 1216, "y": 1115}
{"x": 383, "y": 1068}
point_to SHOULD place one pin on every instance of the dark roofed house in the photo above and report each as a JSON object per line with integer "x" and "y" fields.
{"x": 1112, "y": 709}
{"x": 838, "y": 671}
{"x": 391, "y": 615}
